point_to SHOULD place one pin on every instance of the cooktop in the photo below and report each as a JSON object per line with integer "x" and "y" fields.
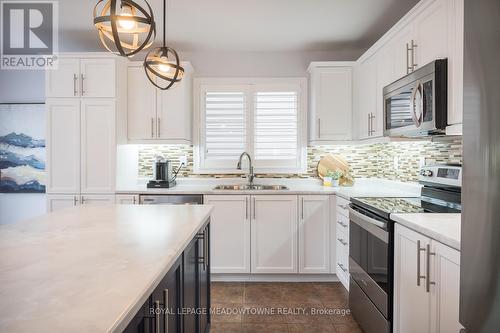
{"x": 384, "y": 207}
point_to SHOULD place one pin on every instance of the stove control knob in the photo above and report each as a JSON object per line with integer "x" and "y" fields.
{"x": 426, "y": 173}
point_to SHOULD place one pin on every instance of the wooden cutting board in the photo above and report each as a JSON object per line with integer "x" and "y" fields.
{"x": 334, "y": 162}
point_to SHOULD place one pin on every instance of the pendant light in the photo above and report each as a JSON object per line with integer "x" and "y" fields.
{"x": 162, "y": 64}
{"x": 122, "y": 24}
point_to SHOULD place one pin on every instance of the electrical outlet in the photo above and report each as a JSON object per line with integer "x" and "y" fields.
{"x": 183, "y": 160}
{"x": 396, "y": 162}
{"x": 421, "y": 161}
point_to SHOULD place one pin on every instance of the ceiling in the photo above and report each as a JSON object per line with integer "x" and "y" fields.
{"x": 251, "y": 25}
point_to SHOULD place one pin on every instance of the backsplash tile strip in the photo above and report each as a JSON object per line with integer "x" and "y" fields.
{"x": 368, "y": 160}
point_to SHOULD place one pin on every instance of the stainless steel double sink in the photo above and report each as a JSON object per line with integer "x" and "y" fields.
{"x": 246, "y": 187}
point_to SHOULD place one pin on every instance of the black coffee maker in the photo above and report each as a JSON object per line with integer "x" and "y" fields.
{"x": 163, "y": 174}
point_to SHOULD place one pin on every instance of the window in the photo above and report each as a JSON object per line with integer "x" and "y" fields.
{"x": 264, "y": 117}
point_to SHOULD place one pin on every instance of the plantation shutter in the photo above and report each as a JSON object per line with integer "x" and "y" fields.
{"x": 276, "y": 126}
{"x": 225, "y": 125}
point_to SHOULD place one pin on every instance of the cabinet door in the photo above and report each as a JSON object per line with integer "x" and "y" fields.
{"x": 65, "y": 80}
{"x": 141, "y": 105}
{"x": 400, "y": 54}
{"x": 97, "y": 200}
{"x": 190, "y": 288}
{"x": 331, "y": 103}
{"x": 98, "y": 144}
{"x": 431, "y": 32}
{"x": 456, "y": 62}
{"x": 168, "y": 298}
{"x": 204, "y": 280}
{"x": 230, "y": 233}
{"x": 274, "y": 234}
{"x": 367, "y": 95}
{"x": 445, "y": 300}
{"x": 314, "y": 232}
{"x": 57, "y": 201}
{"x": 411, "y": 301}
{"x": 126, "y": 199}
{"x": 98, "y": 78}
{"x": 63, "y": 145}
{"x": 174, "y": 112}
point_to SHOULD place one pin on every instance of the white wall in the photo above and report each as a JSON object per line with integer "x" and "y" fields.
{"x": 21, "y": 87}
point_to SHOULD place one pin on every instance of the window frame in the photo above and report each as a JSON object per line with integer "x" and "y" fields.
{"x": 249, "y": 86}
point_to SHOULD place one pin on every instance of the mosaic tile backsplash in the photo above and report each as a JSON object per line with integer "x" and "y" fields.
{"x": 394, "y": 160}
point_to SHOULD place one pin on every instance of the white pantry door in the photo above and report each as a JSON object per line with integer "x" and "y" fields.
{"x": 63, "y": 145}
{"x": 98, "y": 144}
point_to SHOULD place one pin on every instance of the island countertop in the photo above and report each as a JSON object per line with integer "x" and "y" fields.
{"x": 89, "y": 268}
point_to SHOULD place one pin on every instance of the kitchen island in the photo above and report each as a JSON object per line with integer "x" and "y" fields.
{"x": 91, "y": 268}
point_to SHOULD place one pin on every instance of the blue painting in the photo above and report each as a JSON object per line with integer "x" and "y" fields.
{"x": 22, "y": 148}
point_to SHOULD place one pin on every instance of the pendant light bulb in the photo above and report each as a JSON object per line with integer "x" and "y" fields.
{"x": 126, "y": 22}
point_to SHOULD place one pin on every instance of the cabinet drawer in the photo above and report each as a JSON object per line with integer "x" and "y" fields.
{"x": 342, "y": 250}
{"x": 342, "y": 205}
{"x": 342, "y": 223}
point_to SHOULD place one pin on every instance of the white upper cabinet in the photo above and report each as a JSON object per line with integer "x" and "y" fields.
{"x": 330, "y": 112}
{"x": 155, "y": 115}
{"x": 230, "y": 233}
{"x": 314, "y": 234}
{"x": 76, "y": 77}
{"x": 366, "y": 96}
{"x": 98, "y": 146}
{"x": 274, "y": 234}
{"x": 65, "y": 80}
{"x": 432, "y": 30}
{"x": 63, "y": 145}
{"x": 141, "y": 105}
{"x": 98, "y": 78}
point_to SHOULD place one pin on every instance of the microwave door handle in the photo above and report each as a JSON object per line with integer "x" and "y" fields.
{"x": 417, "y": 93}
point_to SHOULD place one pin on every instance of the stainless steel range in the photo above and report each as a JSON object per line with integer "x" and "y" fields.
{"x": 371, "y": 235}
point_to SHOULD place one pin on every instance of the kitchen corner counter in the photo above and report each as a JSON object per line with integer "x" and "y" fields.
{"x": 89, "y": 268}
{"x": 445, "y": 228}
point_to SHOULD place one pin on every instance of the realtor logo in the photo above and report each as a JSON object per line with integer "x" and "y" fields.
{"x": 29, "y": 34}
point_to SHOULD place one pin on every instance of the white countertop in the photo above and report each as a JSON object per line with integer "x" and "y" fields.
{"x": 363, "y": 187}
{"x": 89, "y": 268}
{"x": 445, "y": 228}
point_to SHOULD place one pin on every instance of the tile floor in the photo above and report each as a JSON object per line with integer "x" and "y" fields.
{"x": 239, "y": 307}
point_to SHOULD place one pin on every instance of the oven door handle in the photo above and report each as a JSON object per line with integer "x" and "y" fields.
{"x": 368, "y": 219}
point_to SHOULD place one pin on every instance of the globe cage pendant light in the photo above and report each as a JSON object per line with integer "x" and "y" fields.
{"x": 162, "y": 64}
{"x": 124, "y": 25}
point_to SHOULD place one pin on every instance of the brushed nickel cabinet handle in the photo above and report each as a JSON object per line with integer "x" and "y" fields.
{"x": 82, "y": 200}
{"x": 254, "y": 214}
{"x": 372, "y": 130}
{"x": 83, "y": 87}
{"x": 75, "y": 200}
{"x": 342, "y": 268}
{"x": 343, "y": 206}
{"x": 413, "y": 49}
{"x": 206, "y": 249}
{"x": 342, "y": 241}
{"x": 342, "y": 224}
{"x": 369, "y": 129}
{"x": 319, "y": 128}
{"x": 302, "y": 209}
{"x": 419, "y": 249}
{"x": 246, "y": 208}
{"x": 75, "y": 79}
{"x": 133, "y": 199}
{"x": 157, "y": 316}
{"x": 428, "y": 269}
{"x": 158, "y": 128}
{"x": 152, "y": 127}
{"x": 408, "y": 67}
{"x": 165, "y": 296}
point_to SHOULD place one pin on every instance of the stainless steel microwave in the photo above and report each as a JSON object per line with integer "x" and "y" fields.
{"x": 417, "y": 104}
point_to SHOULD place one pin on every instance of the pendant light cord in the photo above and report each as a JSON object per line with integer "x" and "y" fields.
{"x": 164, "y": 22}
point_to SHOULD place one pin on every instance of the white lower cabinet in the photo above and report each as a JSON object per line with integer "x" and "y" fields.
{"x": 60, "y": 201}
{"x": 426, "y": 284}
{"x": 314, "y": 238}
{"x": 274, "y": 234}
{"x": 127, "y": 199}
{"x": 230, "y": 233}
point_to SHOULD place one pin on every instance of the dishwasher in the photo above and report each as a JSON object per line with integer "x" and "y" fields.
{"x": 169, "y": 199}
